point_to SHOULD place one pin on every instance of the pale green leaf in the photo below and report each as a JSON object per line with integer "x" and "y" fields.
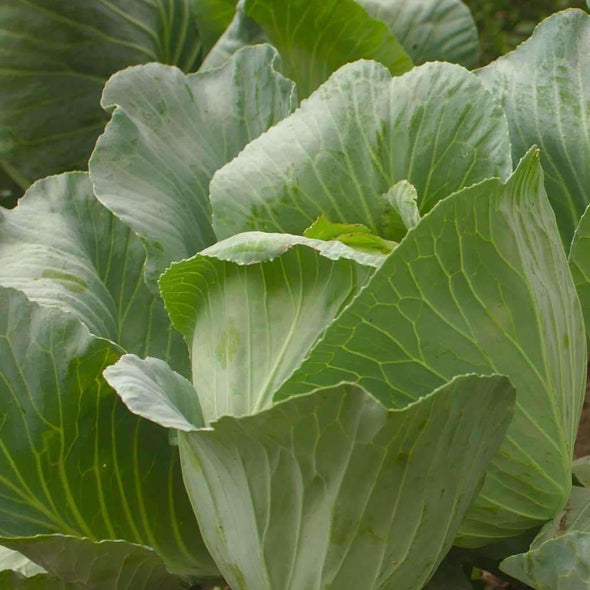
{"x": 333, "y": 490}
{"x": 401, "y": 211}
{"x": 74, "y": 460}
{"x": 150, "y": 387}
{"x": 355, "y": 235}
{"x": 430, "y": 30}
{"x": 57, "y": 55}
{"x": 316, "y": 37}
{"x": 544, "y": 88}
{"x": 17, "y": 562}
{"x": 89, "y": 565}
{"x": 581, "y": 469}
{"x": 579, "y": 259}
{"x": 169, "y": 133}
{"x": 559, "y": 557}
{"x": 63, "y": 248}
{"x": 482, "y": 285}
{"x": 356, "y": 137}
{"x": 251, "y": 308}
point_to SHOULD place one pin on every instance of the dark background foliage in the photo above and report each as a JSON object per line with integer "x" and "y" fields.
{"x": 503, "y": 24}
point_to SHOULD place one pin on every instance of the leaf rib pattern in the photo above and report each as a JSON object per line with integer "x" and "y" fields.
{"x": 251, "y": 308}
{"x": 169, "y": 133}
{"x": 57, "y": 57}
{"x": 62, "y": 248}
{"x": 73, "y": 461}
{"x": 430, "y": 30}
{"x": 353, "y": 139}
{"x": 312, "y": 477}
{"x": 480, "y": 284}
{"x": 543, "y": 87}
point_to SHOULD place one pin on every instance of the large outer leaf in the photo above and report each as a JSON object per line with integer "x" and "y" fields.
{"x": 358, "y": 135}
{"x": 89, "y": 565}
{"x": 332, "y": 489}
{"x": 544, "y": 88}
{"x": 169, "y": 133}
{"x": 73, "y": 460}
{"x": 481, "y": 284}
{"x": 63, "y": 248}
{"x": 252, "y": 307}
{"x": 212, "y": 18}
{"x": 579, "y": 259}
{"x": 56, "y": 56}
{"x": 316, "y": 37}
{"x": 430, "y": 30}
{"x": 559, "y": 557}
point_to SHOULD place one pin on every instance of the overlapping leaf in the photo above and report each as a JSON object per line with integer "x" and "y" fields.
{"x": 559, "y": 557}
{"x": 353, "y": 139}
{"x": 332, "y": 489}
{"x": 482, "y": 285}
{"x": 88, "y": 565}
{"x": 73, "y": 460}
{"x": 316, "y": 37}
{"x": 56, "y": 56}
{"x": 430, "y": 30}
{"x": 544, "y": 88}
{"x": 579, "y": 259}
{"x": 169, "y": 133}
{"x": 252, "y": 307}
{"x": 63, "y": 248}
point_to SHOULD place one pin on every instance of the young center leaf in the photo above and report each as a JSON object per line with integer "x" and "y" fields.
{"x": 358, "y": 135}
{"x": 333, "y": 489}
{"x": 544, "y": 87}
{"x": 251, "y": 308}
{"x": 482, "y": 285}
{"x": 169, "y": 133}
{"x": 74, "y": 461}
{"x": 63, "y": 248}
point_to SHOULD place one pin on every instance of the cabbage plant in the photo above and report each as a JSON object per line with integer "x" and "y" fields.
{"x": 270, "y": 343}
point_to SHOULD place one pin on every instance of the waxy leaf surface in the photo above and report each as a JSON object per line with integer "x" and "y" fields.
{"x": 482, "y": 285}
{"x": 169, "y": 133}
{"x": 83, "y": 564}
{"x": 74, "y": 461}
{"x": 316, "y": 37}
{"x": 559, "y": 557}
{"x": 251, "y": 308}
{"x": 63, "y": 248}
{"x": 544, "y": 88}
{"x": 353, "y": 139}
{"x": 333, "y": 490}
{"x": 430, "y": 30}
